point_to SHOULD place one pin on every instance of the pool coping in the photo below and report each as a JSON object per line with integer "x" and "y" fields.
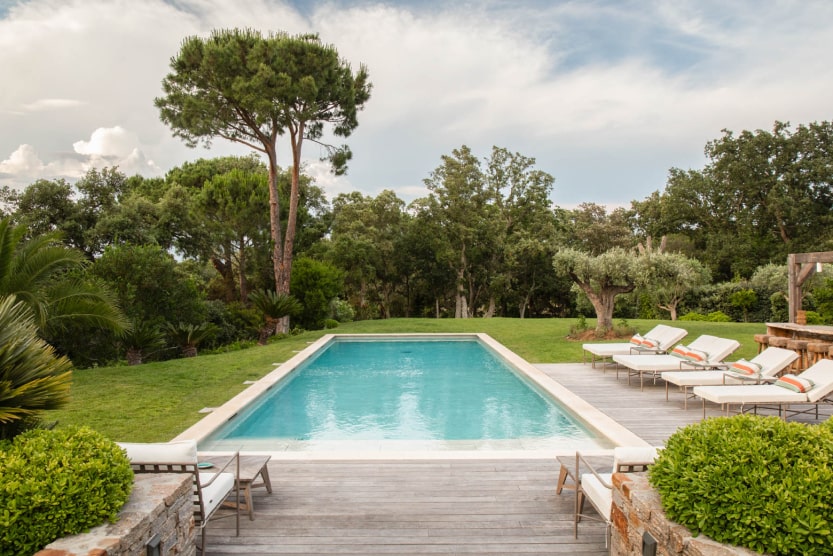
{"x": 578, "y": 407}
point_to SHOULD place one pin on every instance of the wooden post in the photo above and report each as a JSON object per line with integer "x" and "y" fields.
{"x": 800, "y": 266}
{"x": 793, "y": 290}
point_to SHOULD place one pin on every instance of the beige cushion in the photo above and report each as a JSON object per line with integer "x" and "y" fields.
{"x": 633, "y": 455}
{"x": 598, "y": 494}
{"x": 184, "y": 451}
{"x": 753, "y": 393}
{"x": 214, "y": 494}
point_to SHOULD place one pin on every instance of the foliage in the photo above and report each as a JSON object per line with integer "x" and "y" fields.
{"x": 32, "y": 377}
{"x": 330, "y": 323}
{"x": 142, "y": 276}
{"x": 341, "y": 311}
{"x": 762, "y": 195}
{"x": 744, "y": 299}
{"x": 234, "y": 322}
{"x": 757, "y": 482}
{"x": 672, "y": 276}
{"x": 814, "y": 318}
{"x": 714, "y": 316}
{"x": 315, "y": 284}
{"x": 44, "y": 275}
{"x": 590, "y": 228}
{"x": 59, "y": 483}
{"x": 823, "y": 296}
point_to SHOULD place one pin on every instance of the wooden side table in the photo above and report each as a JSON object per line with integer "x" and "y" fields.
{"x": 251, "y": 467}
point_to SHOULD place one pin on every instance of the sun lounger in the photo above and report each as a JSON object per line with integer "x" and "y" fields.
{"x": 706, "y": 352}
{"x": 821, "y": 375}
{"x": 659, "y": 339}
{"x": 769, "y": 363}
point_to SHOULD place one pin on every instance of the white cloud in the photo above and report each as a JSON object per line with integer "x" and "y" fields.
{"x": 22, "y": 162}
{"x": 107, "y": 141}
{"x": 107, "y": 147}
{"x": 46, "y": 104}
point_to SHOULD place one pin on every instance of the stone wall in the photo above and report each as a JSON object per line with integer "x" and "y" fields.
{"x": 161, "y": 503}
{"x": 637, "y": 510}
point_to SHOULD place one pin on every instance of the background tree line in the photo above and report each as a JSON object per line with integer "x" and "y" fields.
{"x": 182, "y": 254}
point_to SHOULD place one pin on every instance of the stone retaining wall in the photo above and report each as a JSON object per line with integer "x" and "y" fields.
{"x": 637, "y": 510}
{"x": 161, "y": 503}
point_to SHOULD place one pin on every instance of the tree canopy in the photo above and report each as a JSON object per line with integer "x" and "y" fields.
{"x": 246, "y": 88}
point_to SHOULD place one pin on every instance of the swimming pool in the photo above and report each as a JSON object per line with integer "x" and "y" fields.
{"x": 404, "y": 392}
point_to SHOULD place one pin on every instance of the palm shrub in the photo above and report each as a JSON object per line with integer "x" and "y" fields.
{"x": 273, "y": 307}
{"x": 750, "y": 481}
{"x": 33, "y": 378}
{"x": 46, "y": 276}
{"x": 188, "y": 336}
{"x": 142, "y": 340}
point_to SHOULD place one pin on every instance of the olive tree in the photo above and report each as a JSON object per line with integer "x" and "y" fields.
{"x": 246, "y": 88}
{"x": 672, "y": 275}
{"x": 602, "y": 277}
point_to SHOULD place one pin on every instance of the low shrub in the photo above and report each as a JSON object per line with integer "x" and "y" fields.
{"x": 718, "y": 316}
{"x": 755, "y": 482}
{"x": 330, "y": 323}
{"x": 55, "y": 483}
{"x": 714, "y": 316}
{"x": 694, "y": 317}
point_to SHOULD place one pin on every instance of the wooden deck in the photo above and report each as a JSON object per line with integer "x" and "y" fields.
{"x": 493, "y": 506}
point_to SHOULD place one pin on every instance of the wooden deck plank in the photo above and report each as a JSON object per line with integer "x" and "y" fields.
{"x": 445, "y": 506}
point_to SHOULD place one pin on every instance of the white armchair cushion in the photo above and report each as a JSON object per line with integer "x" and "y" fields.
{"x": 597, "y": 493}
{"x": 213, "y": 494}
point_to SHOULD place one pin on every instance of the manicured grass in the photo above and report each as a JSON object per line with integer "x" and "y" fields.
{"x": 157, "y": 401}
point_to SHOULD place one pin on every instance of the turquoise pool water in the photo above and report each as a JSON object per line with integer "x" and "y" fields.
{"x": 414, "y": 390}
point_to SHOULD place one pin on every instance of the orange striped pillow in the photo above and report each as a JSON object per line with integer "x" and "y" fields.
{"x": 648, "y": 343}
{"x": 636, "y": 340}
{"x": 744, "y": 367}
{"x": 680, "y": 351}
{"x": 795, "y": 383}
{"x": 697, "y": 355}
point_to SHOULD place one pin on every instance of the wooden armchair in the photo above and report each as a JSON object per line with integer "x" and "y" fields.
{"x": 211, "y": 486}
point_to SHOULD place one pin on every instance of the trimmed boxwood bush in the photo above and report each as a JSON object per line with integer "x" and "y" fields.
{"x": 58, "y": 483}
{"x": 750, "y": 481}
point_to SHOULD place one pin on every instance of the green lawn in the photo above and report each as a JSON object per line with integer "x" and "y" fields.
{"x": 157, "y": 401}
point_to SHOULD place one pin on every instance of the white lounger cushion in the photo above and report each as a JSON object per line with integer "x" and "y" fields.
{"x": 662, "y": 333}
{"x": 752, "y": 393}
{"x": 184, "y": 451}
{"x": 698, "y": 378}
{"x": 717, "y": 348}
{"x": 821, "y": 374}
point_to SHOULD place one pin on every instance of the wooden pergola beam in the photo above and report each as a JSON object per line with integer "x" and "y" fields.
{"x": 800, "y": 267}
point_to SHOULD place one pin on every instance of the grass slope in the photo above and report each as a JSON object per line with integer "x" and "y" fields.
{"x": 157, "y": 401}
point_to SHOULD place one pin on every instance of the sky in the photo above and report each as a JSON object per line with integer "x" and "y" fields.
{"x": 606, "y": 95}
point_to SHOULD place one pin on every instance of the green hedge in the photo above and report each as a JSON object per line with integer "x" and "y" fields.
{"x": 756, "y": 482}
{"x": 58, "y": 483}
